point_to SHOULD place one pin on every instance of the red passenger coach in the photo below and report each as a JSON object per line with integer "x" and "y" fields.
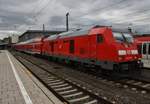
{"x": 143, "y": 43}
{"x": 49, "y": 45}
{"x": 32, "y": 46}
{"x": 98, "y": 46}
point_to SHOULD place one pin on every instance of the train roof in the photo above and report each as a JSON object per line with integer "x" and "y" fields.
{"x": 143, "y": 38}
{"x": 52, "y": 37}
{"x": 80, "y": 32}
{"x": 86, "y": 31}
{"x": 74, "y": 33}
{"x": 30, "y": 41}
{"x": 71, "y": 33}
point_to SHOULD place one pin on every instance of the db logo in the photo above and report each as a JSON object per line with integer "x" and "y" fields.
{"x": 128, "y": 52}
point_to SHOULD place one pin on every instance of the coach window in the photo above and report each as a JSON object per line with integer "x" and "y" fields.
{"x": 100, "y": 38}
{"x": 139, "y": 49}
{"x": 118, "y": 36}
{"x": 65, "y": 41}
{"x": 149, "y": 49}
{"x": 144, "y": 48}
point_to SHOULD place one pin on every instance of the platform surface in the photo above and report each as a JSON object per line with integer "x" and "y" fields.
{"x": 19, "y": 86}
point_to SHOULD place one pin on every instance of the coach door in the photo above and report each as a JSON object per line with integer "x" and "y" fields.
{"x": 52, "y": 47}
{"x": 71, "y": 47}
{"x": 146, "y": 50}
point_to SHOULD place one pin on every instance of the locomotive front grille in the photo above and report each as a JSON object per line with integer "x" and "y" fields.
{"x": 130, "y": 66}
{"x": 125, "y": 66}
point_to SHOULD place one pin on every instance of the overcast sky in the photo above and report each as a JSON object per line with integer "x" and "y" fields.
{"x": 20, "y": 15}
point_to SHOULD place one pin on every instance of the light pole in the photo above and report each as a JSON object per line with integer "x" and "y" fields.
{"x": 130, "y": 28}
{"x": 67, "y": 24}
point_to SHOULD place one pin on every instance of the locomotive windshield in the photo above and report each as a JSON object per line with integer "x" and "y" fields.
{"x": 128, "y": 37}
{"x": 118, "y": 36}
{"x": 123, "y": 37}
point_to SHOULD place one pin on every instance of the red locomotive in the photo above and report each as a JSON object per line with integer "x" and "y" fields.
{"x": 99, "y": 46}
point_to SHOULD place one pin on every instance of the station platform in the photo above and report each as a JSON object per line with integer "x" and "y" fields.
{"x": 19, "y": 86}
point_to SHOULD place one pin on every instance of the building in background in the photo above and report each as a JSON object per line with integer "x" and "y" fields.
{"x": 1, "y": 41}
{"x": 5, "y": 43}
{"x": 37, "y": 33}
{"x": 11, "y": 39}
{"x": 7, "y": 40}
{"x": 14, "y": 39}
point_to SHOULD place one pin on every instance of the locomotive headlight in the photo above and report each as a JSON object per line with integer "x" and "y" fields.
{"x": 122, "y": 52}
{"x": 134, "y": 52}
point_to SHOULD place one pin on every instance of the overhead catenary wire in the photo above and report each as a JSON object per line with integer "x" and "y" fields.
{"x": 96, "y": 10}
{"x": 40, "y": 11}
{"x": 35, "y": 13}
{"x": 100, "y": 10}
{"x": 115, "y": 5}
{"x": 105, "y": 8}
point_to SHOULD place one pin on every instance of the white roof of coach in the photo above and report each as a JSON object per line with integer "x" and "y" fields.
{"x": 30, "y": 41}
{"x": 74, "y": 33}
{"x": 52, "y": 37}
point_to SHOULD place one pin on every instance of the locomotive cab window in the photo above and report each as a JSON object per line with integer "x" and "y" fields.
{"x": 100, "y": 38}
{"x": 123, "y": 37}
{"x": 118, "y": 37}
{"x": 128, "y": 37}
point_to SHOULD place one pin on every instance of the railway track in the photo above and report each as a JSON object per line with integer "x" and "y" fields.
{"x": 110, "y": 83}
{"x": 139, "y": 85}
{"x": 64, "y": 89}
{"x": 135, "y": 85}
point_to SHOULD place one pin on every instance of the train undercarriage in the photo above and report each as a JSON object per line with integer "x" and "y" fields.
{"x": 109, "y": 68}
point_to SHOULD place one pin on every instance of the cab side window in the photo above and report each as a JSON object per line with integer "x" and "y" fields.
{"x": 100, "y": 38}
